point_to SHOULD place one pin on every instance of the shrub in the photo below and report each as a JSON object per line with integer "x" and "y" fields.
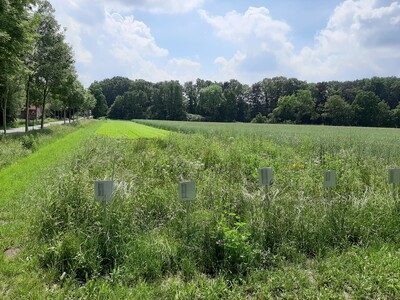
{"x": 259, "y": 118}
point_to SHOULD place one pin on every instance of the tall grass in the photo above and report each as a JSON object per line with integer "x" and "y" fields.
{"x": 235, "y": 230}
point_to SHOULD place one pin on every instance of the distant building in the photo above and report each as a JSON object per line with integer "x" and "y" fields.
{"x": 34, "y": 113}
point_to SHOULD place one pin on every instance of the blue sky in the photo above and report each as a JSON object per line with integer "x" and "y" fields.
{"x": 219, "y": 40}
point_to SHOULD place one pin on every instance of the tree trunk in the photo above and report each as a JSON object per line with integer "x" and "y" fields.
{"x": 65, "y": 116}
{"x": 4, "y": 119}
{"x": 27, "y": 103}
{"x": 43, "y": 106}
{"x": 4, "y": 109}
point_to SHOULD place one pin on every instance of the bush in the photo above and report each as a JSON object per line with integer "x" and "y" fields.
{"x": 194, "y": 118}
{"x": 29, "y": 142}
{"x": 259, "y": 118}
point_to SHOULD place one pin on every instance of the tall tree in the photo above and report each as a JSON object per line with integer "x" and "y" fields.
{"x": 299, "y": 108}
{"x": 88, "y": 104}
{"x": 211, "y": 102}
{"x": 53, "y": 55}
{"x": 116, "y": 86}
{"x": 168, "y": 101}
{"x": 366, "y": 109}
{"x": 256, "y": 100}
{"x": 30, "y": 64}
{"x": 286, "y": 109}
{"x": 305, "y": 109}
{"x": 337, "y": 111}
{"x": 233, "y": 93}
{"x": 14, "y": 40}
{"x": 191, "y": 94}
{"x": 277, "y": 87}
{"x": 100, "y": 108}
{"x": 129, "y": 106}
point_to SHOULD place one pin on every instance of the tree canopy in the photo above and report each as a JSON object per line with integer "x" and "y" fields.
{"x": 36, "y": 64}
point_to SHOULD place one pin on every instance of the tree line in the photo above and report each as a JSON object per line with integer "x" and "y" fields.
{"x": 366, "y": 102}
{"x": 36, "y": 64}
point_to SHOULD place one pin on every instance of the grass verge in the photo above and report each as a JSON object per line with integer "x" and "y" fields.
{"x": 15, "y": 146}
{"x": 19, "y": 276}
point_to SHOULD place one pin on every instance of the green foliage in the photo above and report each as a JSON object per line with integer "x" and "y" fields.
{"x": 129, "y": 106}
{"x": 231, "y": 239}
{"x": 194, "y": 118}
{"x": 259, "y": 119}
{"x": 167, "y": 101}
{"x": 53, "y": 56}
{"x": 395, "y": 116}
{"x": 298, "y": 108}
{"x": 337, "y": 111}
{"x": 283, "y": 100}
{"x": 116, "y": 86}
{"x": 100, "y": 108}
{"x": 211, "y": 102}
{"x": 366, "y": 109}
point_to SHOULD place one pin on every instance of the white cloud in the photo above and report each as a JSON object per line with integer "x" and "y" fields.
{"x": 145, "y": 69}
{"x": 184, "y": 63}
{"x": 229, "y": 67}
{"x": 152, "y": 6}
{"x": 361, "y": 40}
{"x": 131, "y": 39}
{"x": 253, "y": 28}
{"x": 131, "y": 43}
{"x": 163, "y": 6}
{"x": 75, "y": 29}
{"x": 261, "y": 41}
{"x": 183, "y": 69}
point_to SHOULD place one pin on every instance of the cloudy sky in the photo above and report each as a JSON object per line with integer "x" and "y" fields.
{"x": 158, "y": 40}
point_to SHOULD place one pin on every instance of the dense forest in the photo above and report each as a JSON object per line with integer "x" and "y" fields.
{"x": 365, "y": 102}
{"x": 36, "y": 64}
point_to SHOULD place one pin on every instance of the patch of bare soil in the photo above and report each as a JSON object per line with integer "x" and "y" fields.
{"x": 12, "y": 252}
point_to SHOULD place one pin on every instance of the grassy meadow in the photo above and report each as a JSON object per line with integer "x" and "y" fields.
{"x": 237, "y": 240}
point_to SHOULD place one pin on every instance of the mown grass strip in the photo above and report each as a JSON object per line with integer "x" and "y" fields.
{"x": 26, "y": 174}
{"x": 19, "y": 276}
{"x": 129, "y": 130}
{"x": 16, "y": 178}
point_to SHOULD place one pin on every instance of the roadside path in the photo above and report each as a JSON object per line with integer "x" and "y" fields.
{"x": 36, "y": 127}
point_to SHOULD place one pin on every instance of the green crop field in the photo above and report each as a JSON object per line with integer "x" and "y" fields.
{"x": 129, "y": 130}
{"x": 237, "y": 240}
